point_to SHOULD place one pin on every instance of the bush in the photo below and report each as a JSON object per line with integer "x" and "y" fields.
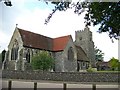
{"x": 42, "y": 61}
{"x": 90, "y": 69}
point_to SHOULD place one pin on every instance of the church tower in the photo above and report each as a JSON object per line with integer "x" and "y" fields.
{"x": 83, "y": 38}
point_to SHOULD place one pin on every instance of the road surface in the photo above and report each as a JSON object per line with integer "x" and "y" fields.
{"x": 26, "y": 84}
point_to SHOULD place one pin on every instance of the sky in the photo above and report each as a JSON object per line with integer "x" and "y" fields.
{"x": 31, "y": 14}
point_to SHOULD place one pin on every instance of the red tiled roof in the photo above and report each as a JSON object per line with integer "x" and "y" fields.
{"x": 102, "y": 63}
{"x": 60, "y": 43}
{"x": 38, "y": 41}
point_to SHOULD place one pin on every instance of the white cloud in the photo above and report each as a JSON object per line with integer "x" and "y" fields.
{"x": 104, "y": 43}
{"x": 4, "y": 41}
{"x": 64, "y": 23}
{"x": 61, "y": 23}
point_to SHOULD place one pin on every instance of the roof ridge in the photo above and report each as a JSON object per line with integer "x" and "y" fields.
{"x": 62, "y": 36}
{"x": 41, "y": 34}
{"x": 34, "y": 33}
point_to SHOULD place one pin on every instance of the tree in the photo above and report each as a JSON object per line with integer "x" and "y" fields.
{"x": 3, "y": 55}
{"x": 7, "y": 2}
{"x": 114, "y": 63}
{"x": 106, "y": 14}
{"x": 42, "y": 61}
{"x": 99, "y": 55}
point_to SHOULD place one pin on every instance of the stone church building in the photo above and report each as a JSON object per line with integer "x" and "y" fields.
{"x": 69, "y": 55}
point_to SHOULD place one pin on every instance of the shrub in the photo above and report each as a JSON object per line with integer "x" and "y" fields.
{"x": 90, "y": 69}
{"x": 42, "y": 61}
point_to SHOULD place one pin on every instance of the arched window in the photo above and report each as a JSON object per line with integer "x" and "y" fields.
{"x": 14, "y": 50}
{"x": 70, "y": 54}
{"x": 28, "y": 56}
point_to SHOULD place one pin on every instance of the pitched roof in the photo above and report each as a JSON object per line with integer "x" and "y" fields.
{"x": 60, "y": 43}
{"x": 34, "y": 40}
{"x": 38, "y": 41}
{"x": 103, "y": 63}
{"x": 81, "y": 55}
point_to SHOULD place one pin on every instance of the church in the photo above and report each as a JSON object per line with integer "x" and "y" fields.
{"x": 69, "y": 55}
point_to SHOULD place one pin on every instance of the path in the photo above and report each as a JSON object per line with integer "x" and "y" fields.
{"x": 23, "y": 84}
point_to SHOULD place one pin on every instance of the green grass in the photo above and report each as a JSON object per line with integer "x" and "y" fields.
{"x": 107, "y": 71}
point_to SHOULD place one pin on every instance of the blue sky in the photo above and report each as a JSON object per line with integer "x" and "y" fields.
{"x": 31, "y": 14}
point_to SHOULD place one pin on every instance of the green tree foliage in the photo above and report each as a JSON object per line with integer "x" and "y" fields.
{"x": 114, "y": 64}
{"x": 42, "y": 61}
{"x": 99, "y": 55}
{"x": 7, "y": 2}
{"x": 3, "y": 55}
{"x": 106, "y": 14}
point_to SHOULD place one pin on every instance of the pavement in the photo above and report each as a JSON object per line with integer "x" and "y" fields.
{"x": 28, "y": 84}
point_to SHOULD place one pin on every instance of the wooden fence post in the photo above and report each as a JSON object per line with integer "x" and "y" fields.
{"x": 9, "y": 85}
{"x": 35, "y": 85}
{"x": 93, "y": 86}
{"x": 64, "y": 86}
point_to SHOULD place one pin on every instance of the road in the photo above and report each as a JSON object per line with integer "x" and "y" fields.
{"x": 23, "y": 84}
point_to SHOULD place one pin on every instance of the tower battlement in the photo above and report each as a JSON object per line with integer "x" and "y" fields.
{"x": 85, "y": 34}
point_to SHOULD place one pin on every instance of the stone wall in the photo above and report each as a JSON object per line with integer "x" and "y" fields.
{"x": 83, "y": 77}
{"x": 70, "y": 65}
{"x": 62, "y": 64}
